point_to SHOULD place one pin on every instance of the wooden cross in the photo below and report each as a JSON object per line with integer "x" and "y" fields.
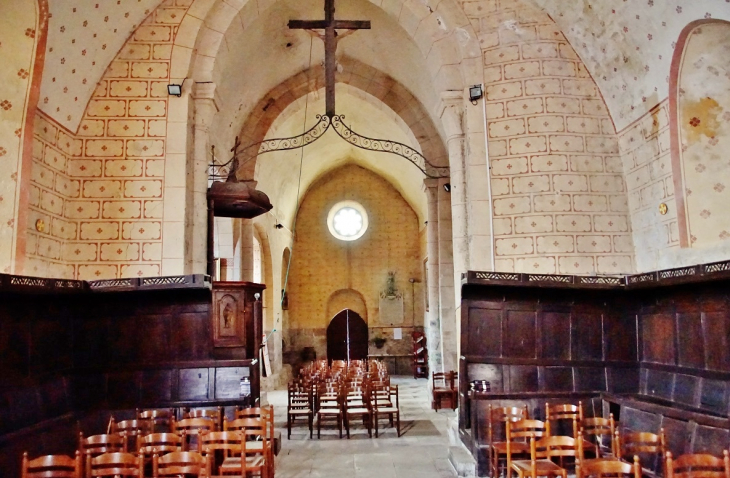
{"x": 330, "y": 27}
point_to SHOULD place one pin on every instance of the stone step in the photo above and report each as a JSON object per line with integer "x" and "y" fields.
{"x": 462, "y": 461}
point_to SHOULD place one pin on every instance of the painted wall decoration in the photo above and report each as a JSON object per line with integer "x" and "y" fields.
{"x": 557, "y": 179}
{"x": 101, "y": 189}
{"x": 22, "y": 33}
{"x": 703, "y": 133}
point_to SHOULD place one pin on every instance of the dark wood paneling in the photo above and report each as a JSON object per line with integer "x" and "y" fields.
{"x": 717, "y": 340}
{"x": 587, "y": 336}
{"x": 523, "y": 378}
{"x": 194, "y": 384}
{"x": 658, "y": 338}
{"x": 519, "y": 334}
{"x": 484, "y": 335}
{"x": 556, "y": 335}
{"x": 557, "y": 379}
{"x": 690, "y": 348}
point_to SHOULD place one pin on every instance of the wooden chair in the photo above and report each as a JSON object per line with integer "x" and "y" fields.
{"x": 51, "y": 466}
{"x": 602, "y": 468}
{"x": 300, "y": 405}
{"x": 594, "y": 432}
{"x": 542, "y": 453}
{"x": 697, "y": 466}
{"x": 253, "y": 458}
{"x": 650, "y": 447}
{"x": 160, "y": 443}
{"x": 215, "y": 414}
{"x": 131, "y": 430}
{"x": 499, "y": 416}
{"x": 117, "y": 465}
{"x": 96, "y": 445}
{"x": 356, "y": 404}
{"x": 179, "y": 464}
{"x": 561, "y": 412}
{"x": 228, "y": 442}
{"x": 329, "y": 406}
{"x": 443, "y": 386}
{"x": 388, "y": 405}
{"x": 188, "y": 428}
{"x": 161, "y": 420}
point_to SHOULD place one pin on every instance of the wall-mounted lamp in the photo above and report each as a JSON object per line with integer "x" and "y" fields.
{"x": 475, "y": 93}
{"x": 447, "y": 187}
{"x": 175, "y": 90}
{"x": 279, "y": 226}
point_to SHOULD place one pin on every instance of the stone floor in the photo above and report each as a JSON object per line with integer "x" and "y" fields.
{"x": 421, "y": 450}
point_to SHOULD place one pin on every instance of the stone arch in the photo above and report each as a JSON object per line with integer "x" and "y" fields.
{"x": 17, "y": 141}
{"x": 373, "y": 82}
{"x": 346, "y": 299}
{"x": 439, "y": 31}
{"x": 692, "y": 115}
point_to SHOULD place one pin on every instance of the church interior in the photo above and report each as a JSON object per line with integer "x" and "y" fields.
{"x": 468, "y": 214}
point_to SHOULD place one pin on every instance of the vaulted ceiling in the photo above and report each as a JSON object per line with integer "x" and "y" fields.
{"x": 627, "y": 45}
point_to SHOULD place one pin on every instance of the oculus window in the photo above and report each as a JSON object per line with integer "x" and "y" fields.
{"x": 347, "y": 220}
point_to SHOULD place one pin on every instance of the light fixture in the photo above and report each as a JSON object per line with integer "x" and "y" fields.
{"x": 475, "y": 93}
{"x": 447, "y": 187}
{"x": 175, "y": 90}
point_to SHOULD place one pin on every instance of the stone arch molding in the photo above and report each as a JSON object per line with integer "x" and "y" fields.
{"x": 376, "y": 87}
{"x": 438, "y": 28}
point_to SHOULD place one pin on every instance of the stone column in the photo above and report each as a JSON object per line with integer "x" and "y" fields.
{"x": 452, "y": 114}
{"x": 446, "y": 279}
{"x": 205, "y": 109}
{"x": 432, "y": 325}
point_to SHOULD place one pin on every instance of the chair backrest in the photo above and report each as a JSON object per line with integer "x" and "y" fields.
{"x": 229, "y": 441}
{"x": 117, "y": 464}
{"x": 191, "y": 427}
{"x": 131, "y": 429}
{"x": 499, "y": 415}
{"x": 525, "y": 429}
{"x": 245, "y": 423}
{"x": 612, "y": 468}
{"x": 564, "y": 411}
{"x": 251, "y": 412}
{"x": 179, "y": 463}
{"x": 97, "y": 444}
{"x": 596, "y": 429}
{"x": 634, "y": 443}
{"x": 697, "y": 466}
{"x": 162, "y": 443}
{"x": 161, "y": 419}
{"x": 439, "y": 380}
{"x": 556, "y": 446}
{"x": 51, "y": 466}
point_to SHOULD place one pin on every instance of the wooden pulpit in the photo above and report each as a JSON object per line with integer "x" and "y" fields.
{"x": 237, "y": 325}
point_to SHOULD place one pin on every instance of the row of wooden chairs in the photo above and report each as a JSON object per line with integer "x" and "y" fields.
{"x": 597, "y": 436}
{"x": 255, "y": 425}
{"x": 343, "y": 402}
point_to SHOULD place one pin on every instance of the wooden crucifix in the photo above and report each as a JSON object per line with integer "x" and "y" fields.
{"x": 330, "y": 27}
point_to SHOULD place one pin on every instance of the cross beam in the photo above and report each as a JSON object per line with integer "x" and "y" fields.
{"x": 330, "y": 27}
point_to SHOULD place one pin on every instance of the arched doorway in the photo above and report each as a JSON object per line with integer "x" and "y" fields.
{"x": 347, "y": 337}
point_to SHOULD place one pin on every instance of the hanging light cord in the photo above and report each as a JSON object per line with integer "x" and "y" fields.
{"x": 299, "y": 188}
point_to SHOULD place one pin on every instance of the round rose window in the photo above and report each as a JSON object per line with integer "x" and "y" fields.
{"x": 347, "y": 220}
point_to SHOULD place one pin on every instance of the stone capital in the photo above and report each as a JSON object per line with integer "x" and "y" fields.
{"x": 430, "y": 183}
{"x": 206, "y": 91}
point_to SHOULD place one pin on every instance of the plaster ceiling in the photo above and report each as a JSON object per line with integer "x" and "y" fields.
{"x": 84, "y": 36}
{"x": 627, "y": 45}
{"x": 278, "y": 173}
{"x": 241, "y": 81}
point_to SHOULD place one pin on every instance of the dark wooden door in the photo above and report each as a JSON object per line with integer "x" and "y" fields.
{"x": 347, "y": 337}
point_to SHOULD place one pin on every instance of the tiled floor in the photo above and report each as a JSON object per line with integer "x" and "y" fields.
{"x": 420, "y": 451}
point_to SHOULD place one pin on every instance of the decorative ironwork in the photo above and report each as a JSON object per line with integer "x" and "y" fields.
{"x": 639, "y": 278}
{"x": 386, "y": 146}
{"x": 717, "y": 267}
{"x": 672, "y": 273}
{"x": 68, "y": 284}
{"x": 601, "y": 280}
{"x": 103, "y": 284}
{"x": 147, "y": 281}
{"x": 29, "y": 281}
{"x": 549, "y": 278}
{"x": 242, "y": 156}
{"x": 497, "y": 276}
